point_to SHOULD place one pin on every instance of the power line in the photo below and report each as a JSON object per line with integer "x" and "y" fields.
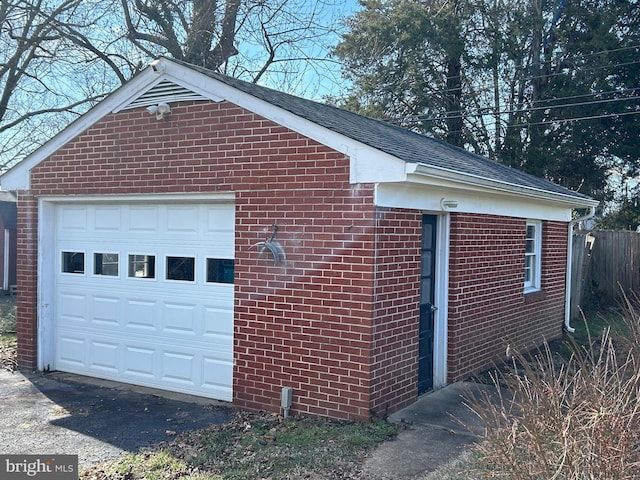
{"x": 488, "y": 112}
{"x": 570, "y": 57}
{"x": 540, "y": 104}
{"x": 576, "y": 119}
{"x": 489, "y": 88}
{"x": 583, "y": 95}
{"x": 495, "y": 127}
{"x": 584, "y": 55}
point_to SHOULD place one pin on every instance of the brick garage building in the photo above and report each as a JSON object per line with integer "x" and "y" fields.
{"x": 196, "y": 233}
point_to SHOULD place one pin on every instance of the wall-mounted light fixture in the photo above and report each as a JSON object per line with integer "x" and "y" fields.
{"x": 158, "y": 66}
{"x": 159, "y": 110}
{"x": 447, "y": 204}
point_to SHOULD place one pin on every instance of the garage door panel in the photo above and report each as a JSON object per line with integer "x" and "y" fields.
{"x": 180, "y": 319}
{"x": 141, "y": 314}
{"x": 107, "y": 218}
{"x": 106, "y": 311}
{"x": 73, "y": 308}
{"x": 72, "y": 219}
{"x": 217, "y": 321}
{"x": 144, "y": 358}
{"x": 140, "y": 361}
{"x": 182, "y": 219}
{"x": 104, "y": 356}
{"x": 216, "y": 372}
{"x": 71, "y": 350}
{"x": 218, "y": 219}
{"x": 175, "y": 334}
{"x": 179, "y": 367}
{"x": 142, "y": 219}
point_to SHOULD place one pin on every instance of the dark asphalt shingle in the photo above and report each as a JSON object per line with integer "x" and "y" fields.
{"x": 393, "y": 140}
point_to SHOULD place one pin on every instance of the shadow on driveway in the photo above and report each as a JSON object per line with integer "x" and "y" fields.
{"x": 94, "y": 419}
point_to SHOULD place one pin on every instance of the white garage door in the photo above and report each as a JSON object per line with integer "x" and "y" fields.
{"x": 144, "y": 294}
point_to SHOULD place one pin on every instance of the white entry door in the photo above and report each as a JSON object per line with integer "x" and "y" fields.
{"x": 143, "y": 294}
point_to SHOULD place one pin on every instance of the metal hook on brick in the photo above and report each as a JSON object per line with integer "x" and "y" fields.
{"x": 272, "y": 246}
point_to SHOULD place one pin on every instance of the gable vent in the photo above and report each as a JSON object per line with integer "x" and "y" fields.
{"x": 164, "y": 91}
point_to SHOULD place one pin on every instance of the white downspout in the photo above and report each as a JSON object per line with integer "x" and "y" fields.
{"x": 567, "y": 296}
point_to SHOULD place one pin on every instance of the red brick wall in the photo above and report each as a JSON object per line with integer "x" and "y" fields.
{"x": 26, "y": 280}
{"x": 396, "y": 310}
{"x": 488, "y": 309}
{"x": 305, "y": 323}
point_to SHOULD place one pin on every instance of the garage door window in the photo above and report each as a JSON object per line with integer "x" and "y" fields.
{"x": 181, "y": 268}
{"x": 105, "y": 264}
{"x": 73, "y": 262}
{"x": 219, "y": 270}
{"x": 142, "y": 266}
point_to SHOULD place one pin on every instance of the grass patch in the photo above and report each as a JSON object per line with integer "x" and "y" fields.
{"x": 8, "y": 345}
{"x": 7, "y": 339}
{"x": 149, "y": 465}
{"x": 255, "y": 446}
{"x": 8, "y": 312}
{"x": 591, "y": 327}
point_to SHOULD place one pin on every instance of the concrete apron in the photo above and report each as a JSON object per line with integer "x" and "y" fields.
{"x": 440, "y": 428}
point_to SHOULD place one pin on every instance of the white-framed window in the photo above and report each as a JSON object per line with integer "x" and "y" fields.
{"x": 105, "y": 264}
{"x": 73, "y": 262}
{"x": 220, "y": 270}
{"x": 533, "y": 256}
{"x": 142, "y": 266}
{"x": 181, "y": 268}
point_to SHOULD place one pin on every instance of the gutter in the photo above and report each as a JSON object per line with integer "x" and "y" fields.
{"x": 567, "y": 288}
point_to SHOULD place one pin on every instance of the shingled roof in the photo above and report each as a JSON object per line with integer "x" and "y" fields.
{"x": 399, "y": 142}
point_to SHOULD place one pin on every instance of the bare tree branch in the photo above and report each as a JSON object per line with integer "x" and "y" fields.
{"x": 58, "y": 57}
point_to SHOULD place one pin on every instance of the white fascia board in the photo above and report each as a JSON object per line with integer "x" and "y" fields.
{"x": 425, "y": 174}
{"x": 432, "y": 198}
{"x": 368, "y": 165}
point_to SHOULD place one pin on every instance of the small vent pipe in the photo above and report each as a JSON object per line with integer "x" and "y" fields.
{"x": 286, "y": 399}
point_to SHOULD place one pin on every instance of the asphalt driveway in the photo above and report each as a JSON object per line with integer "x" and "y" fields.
{"x": 97, "y": 420}
{"x": 63, "y": 414}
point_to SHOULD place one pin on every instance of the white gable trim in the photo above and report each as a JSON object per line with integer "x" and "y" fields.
{"x": 159, "y": 75}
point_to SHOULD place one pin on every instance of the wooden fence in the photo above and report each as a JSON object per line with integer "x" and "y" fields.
{"x": 605, "y": 263}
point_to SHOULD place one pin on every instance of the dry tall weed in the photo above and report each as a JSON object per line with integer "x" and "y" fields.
{"x": 569, "y": 419}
